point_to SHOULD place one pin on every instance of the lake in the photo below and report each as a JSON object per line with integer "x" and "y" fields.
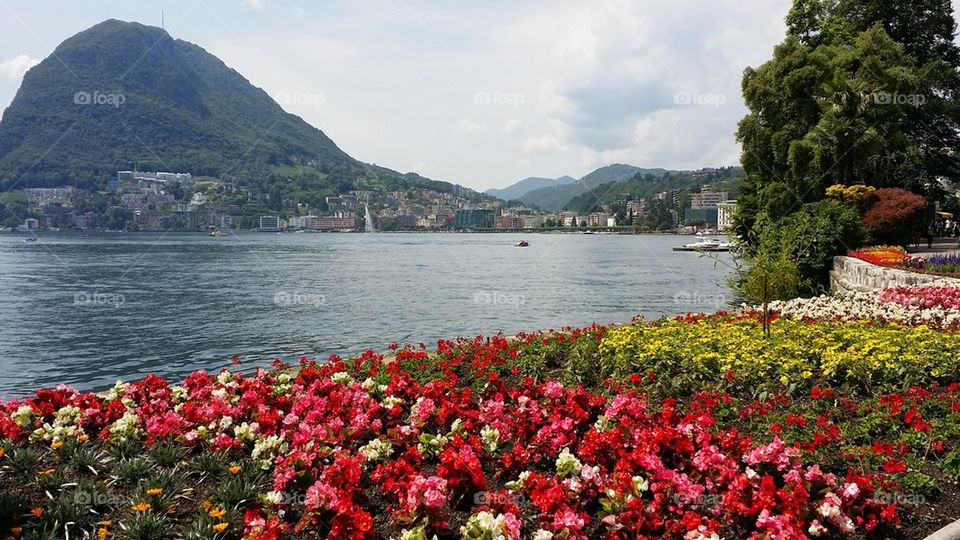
{"x": 86, "y": 309}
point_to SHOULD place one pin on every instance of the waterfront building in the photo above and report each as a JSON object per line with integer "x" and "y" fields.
{"x": 473, "y": 219}
{"x": 269, "y": 223}
{"x": 707, "y": 199}
{"x": 332, "y": 223}
{"x": 725, "y": 213}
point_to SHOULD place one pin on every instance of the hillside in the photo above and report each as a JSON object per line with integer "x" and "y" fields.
{"x": 521, "y": 188}
{"x": 644, "y": 186}
{"x": 122, "y": 94}
{"x": 556, "y": 197}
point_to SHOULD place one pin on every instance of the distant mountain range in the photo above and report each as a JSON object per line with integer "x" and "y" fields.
{"x": 554, "y": 194}
{"x": 521, "y": 188}
{"x": 120, "y": 95}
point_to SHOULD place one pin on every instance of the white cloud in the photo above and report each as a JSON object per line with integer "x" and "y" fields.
{"x": 469, "y": 125}
{"x": 255, "y": 4}
{"x": 543, "y": 143}
{"x": 14, "y": 68}
{"x": 511, "y": 126}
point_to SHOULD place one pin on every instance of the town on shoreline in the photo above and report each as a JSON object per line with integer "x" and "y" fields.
{"x": 168, "y": 202}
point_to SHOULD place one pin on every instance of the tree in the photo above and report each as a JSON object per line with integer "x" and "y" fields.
{"x": 894, "y": 216}
{"x": 861, "y": 91}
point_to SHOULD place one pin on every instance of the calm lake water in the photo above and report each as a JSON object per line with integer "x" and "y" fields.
{"x": 87, "y": 309}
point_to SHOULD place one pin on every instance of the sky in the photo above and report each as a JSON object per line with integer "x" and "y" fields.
{"x": 477, "y": 92}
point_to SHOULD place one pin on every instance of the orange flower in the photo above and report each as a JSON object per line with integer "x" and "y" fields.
{"x": 37, "y": 512}
{"x": 220, "y": 527}
{"x": 2, "y": 453}
{"x": 102, "y": 533}
{"x": 56, "y": 444}
{"x": 206, "y": 505}
{"x": 83, "y": 437}
{"x": 16, "y": 530}
{"x": 153, "y": 492}
{"x": 141, "y": 506}
{"x": 45, "y": 472}
{"x": 234, "y": 469}
{"x": 217, "y": 513}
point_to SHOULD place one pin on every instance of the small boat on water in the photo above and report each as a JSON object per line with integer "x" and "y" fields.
{"x": 218, "y": 233}
{"x": 522, "y": 243}
{"x": 30, "y": 239}
{"x": 705, "y": 244}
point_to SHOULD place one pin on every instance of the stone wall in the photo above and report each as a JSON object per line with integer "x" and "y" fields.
{"x": 850, "y": 274}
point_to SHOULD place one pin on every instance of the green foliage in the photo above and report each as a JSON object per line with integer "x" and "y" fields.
{"x": 208, "y": 462}
{"x": 859, "y": 92}
{"x": 793, "y": 256}
{"x": 132, "y": 470}
{"x": 147, "y": 526}
{"x": 951, "y": 463}
{"x": 166, "y": 454}
{"x": 23, "y": 460}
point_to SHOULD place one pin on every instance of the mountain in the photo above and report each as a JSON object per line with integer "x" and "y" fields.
{"x": 644, "y": 186}
{"x": 120, "y": 95}
{"x": 556, "y": 197}
{"x": 521, "y": 188}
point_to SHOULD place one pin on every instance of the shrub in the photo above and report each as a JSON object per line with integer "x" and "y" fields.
{"x": 894, "y": 216}
{"x": 794, "y": 254}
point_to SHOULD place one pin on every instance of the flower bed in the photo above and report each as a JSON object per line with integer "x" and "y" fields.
{"x": 947, "y": 265}
{"x": 926, "y": 297}
{"x": 892, "y": 256}
{"x": 616, "y": 433}
{"x": 902, "y": 306}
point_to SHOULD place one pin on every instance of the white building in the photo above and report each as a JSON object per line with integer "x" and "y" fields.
{"x": 725, "y": 211}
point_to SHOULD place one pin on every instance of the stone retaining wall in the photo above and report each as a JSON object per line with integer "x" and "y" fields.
{"x": 850, "y": 275}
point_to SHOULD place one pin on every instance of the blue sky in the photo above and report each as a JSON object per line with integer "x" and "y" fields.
{"x": 482, "y": 93}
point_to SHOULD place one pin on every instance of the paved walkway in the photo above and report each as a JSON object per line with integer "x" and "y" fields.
{"x": 940, "y": 246}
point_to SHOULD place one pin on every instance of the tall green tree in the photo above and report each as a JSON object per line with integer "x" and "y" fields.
{"x": 860, "y": 91}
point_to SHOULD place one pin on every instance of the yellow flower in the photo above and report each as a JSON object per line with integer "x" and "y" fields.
{"x": 217, "y": 513}
{"x": 153, "y": 492}
{"x": 56, "y": 444}
{"x": 141, "y": 506}
{"x": 234, "y": 469}
{"x": 220, "y": 527}
{"x": 102, "y": 533}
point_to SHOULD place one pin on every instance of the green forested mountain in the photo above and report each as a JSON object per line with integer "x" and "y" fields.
{"x": 644, "y": 186}
{"x": 120, "y": 94}
{"x": 556, "y": 197}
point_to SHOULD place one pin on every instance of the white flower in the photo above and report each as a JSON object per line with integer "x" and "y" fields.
{"x": 23, "y": 416}
{"x": 225, "y": 378}
{"x": 486, "y": 526}
{"x": 567, "y": 463}
{"x": 266, "y": 450}
{"x": 341, "y": 377}
{"x": 542, "y": 535}
{"x": 639, "y": 485}
{"x": 274, "y": 497}
{"x": 490, "y": 437}
{"x": 376, "y": 450}
{"x": 390, "y": 402}
{"x": 126, "y": 427}
{"x": 117, "y": 391}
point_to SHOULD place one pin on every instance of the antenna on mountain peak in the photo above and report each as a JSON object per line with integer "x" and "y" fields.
{"x": 162, "y": 27}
